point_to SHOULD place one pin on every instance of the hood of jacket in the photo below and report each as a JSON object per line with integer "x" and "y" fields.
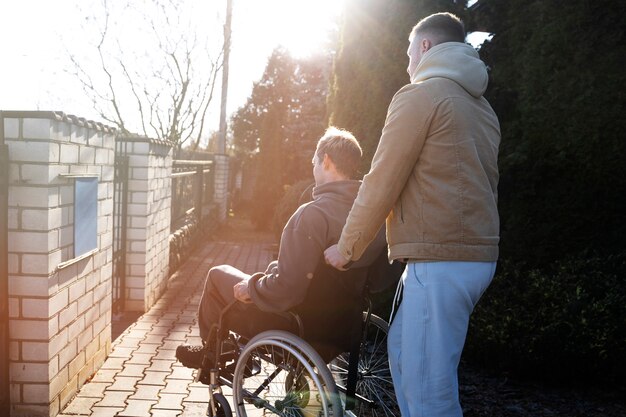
{"x": 456, "y": 61}
{"x": 344, "y": 190}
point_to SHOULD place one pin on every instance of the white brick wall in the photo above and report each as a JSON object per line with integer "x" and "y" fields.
{"x": 59, "y": 325}
{"x": 147, "y": 257}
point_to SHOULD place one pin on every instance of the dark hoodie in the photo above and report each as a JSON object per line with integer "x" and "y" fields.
{"x": 302, "y": 281}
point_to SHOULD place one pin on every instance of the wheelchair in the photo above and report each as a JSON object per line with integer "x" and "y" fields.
{"x": 278, "y": 372}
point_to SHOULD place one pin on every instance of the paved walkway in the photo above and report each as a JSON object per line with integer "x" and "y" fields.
{"x": 141, "y": 376}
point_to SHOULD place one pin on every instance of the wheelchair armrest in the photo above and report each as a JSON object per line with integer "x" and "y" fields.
{"x": 291, "y": 315}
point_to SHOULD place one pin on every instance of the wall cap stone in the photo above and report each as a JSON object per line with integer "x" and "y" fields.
{"x": 130, "y": 137}
{"x": 59, "y": 116}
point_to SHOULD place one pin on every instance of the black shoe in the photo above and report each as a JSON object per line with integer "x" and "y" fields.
{"x": 192, "y": 356}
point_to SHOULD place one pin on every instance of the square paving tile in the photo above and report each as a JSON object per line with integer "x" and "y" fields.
{"x": 135, "y": 333}
{"x": 133, "y": 370}
{"x": 193, "y": 340}
{"x": 93, "y": 389}
{"x": 195, "y": 409}
{"x": 161, "y": 365}
{"x": 105, "y": 375}
{"x": 150, "y": 319}
{"x": 80, "y": 406}
{"x": 149, "y": 348}
{"x": 140, "y": 359}
{"x": 164, "y": 323}
{"x": 198, "y": 394}
{"x": 128, "y": 342}
{"x": 162, "y": 331}
{"x": 114, "y": 363}
{"x": 122, "y": 352}
{"x": 178, "y": 336}
{"x": 165, "y": 413}
{"x": 176, "y": 386}
{"x": 187, "y": 318}
{"x": 114, "y": 399}
{"x": 156, "y": 339}
{"x": 170, "y": 401}
{"x": 105, "y": 411}
{"x": 146, "y": 392}
{"x": 180, "y": 372}
{"x": 170, "y": 344}
{"x": 165, "y": 354}
{"x": 137, "y": 408}
{"x": 183, "y": 326}
{"x": 123, "y": 383}
{"x": 141, "y": 325}
{"x": 195, "y": 331}
{"x": 153, "y": 378}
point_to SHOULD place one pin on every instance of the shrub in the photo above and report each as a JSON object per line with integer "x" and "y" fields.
{"x": 564, "y": 323}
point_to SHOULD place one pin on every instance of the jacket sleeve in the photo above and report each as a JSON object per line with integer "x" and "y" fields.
{"x": 399, "y": 148}
{"x": 301, "y": 249}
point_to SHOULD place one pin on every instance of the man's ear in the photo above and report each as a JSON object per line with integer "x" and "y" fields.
{"x": 327, "y": 161}
{"x": 425, "y": 45}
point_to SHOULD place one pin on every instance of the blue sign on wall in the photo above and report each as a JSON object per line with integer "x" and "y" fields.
{"x": 85, "y": 215}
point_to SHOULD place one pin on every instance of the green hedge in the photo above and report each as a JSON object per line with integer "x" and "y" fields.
{"x": 566, "y": 321}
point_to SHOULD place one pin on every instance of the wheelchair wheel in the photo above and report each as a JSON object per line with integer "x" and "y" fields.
{"x": 292, "y": 380}
{"x": 374, "y": 377}
{"x": 222, "y": 408}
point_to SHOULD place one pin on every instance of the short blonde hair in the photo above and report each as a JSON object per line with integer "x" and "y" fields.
{"x": 342, "y": 148}
{"x": 443, "y": 27}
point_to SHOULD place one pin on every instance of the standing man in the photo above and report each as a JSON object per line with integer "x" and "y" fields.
{"x": 434, "y": 178}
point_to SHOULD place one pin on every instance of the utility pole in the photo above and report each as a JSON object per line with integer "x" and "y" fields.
{"x": 221, "y": 145}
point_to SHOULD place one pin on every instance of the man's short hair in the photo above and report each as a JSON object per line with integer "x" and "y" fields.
{"x": 442, "y": 27}
{"x": 342, "y": 148}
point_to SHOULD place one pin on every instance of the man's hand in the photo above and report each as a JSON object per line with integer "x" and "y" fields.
{"x": 334, "y": 258}
{"x": 241, "y": 292}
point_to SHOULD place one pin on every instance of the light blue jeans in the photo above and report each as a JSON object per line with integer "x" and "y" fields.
{"x": 428, "y": 332}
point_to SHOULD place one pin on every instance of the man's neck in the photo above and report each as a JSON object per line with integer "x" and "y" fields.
{"x": 332, "y": 178}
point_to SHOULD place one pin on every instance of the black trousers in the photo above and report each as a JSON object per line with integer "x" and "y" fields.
{"x": 244, "y": 319}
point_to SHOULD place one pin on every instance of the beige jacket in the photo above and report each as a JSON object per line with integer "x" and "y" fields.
{"x": 434, "y": 175}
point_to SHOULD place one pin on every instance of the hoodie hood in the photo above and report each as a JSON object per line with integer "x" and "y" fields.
{"x": 456, "y": 61}
{"x": 344, "y": 190}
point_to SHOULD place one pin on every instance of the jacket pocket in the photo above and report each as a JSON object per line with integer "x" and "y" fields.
{"x": 401, "y": 209}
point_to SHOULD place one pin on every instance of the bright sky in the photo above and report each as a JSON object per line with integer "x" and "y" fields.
{"x": 37, "y": 35}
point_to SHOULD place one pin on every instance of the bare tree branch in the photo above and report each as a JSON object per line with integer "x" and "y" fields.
{"x": 168, "y": 98}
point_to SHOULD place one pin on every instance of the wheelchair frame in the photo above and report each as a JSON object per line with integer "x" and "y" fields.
{"x": 309, "y": 386}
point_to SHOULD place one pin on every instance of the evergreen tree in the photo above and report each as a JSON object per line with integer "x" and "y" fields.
{"x": 307, "y": 119}
{"x": 555, "y": 84}
{"x": 277, "y": 130}
{"x": 372, "y": 61}
{"x": 557, "y": 304}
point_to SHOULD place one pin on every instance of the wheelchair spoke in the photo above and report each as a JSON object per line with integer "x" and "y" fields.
{"x": 374, "y": 386}
{"x": 287, "y": 383}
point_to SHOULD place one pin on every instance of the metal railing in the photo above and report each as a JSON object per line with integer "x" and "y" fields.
{"x": 192, "y": 198}
{"x": 192, "y": 191}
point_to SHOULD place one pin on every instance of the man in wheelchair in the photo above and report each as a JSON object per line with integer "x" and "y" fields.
{"x": 329, "y": 302}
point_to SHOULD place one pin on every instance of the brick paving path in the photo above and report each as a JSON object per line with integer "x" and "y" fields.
{"x": 141, "y": 376}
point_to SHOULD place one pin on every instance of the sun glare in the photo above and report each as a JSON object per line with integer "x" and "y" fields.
{"x": 301, "y": 26}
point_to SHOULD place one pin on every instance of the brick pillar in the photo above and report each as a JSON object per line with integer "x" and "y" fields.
{"x": 149, "y": 213}
{"x": 220, "y": 190}
{"x": 59, "y": 304}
